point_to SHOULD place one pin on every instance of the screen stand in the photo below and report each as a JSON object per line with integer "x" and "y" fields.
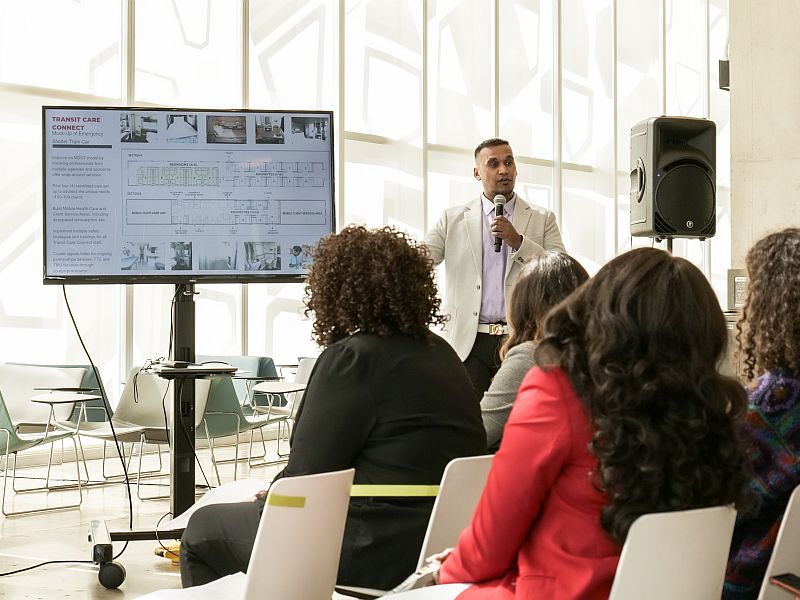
{"x": 182, "y": 484}
{"x": 183, "y": 429}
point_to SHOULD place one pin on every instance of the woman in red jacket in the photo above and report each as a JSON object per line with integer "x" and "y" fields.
{"x": 626, "y": 415}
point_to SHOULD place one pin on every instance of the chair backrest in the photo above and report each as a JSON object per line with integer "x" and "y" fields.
{"x": 258, "y": 366}
{"x": 299, "y": 538}
{"x": 5, "y": 419}
{"x": 303, "y": 373}
{"x": 462, "y": 484}
{"x": 292, "y": 399}
{"x": 224, "y": 414}
{"x": 145, "y": 398}
{"x": 95, "y": 409}
{"x": 304, "y": 368}
{"x": 681, "y": 554}
{"x": 786, "y": 553}
{"x": 18, "y": 380}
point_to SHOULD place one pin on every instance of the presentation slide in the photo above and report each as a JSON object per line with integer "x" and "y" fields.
{"x": 166, "y": 194}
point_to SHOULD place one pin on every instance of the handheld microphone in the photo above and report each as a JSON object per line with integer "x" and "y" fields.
{"x": 499, "y": 201}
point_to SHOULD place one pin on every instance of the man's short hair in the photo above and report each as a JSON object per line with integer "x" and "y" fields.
{"x": 490, "y": 143}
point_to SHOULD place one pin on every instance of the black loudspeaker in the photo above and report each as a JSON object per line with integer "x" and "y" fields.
{"x": 673, "y": 178}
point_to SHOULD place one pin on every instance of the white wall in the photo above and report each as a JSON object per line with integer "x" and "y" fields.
{"x": 765, "y": 120}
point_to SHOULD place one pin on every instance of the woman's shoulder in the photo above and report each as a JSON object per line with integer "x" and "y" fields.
{"x": 372, "y": 346}
{"x": 523, "y": 350}
{"x": 517, "y": 362}
{"x": 548, "y": 383}
{"x": 775, "y": 391}
{"x": 549, "y": 376}
{"x": 361, "y": 340}
{"x": 348, "y": 349}
{"x": 547, "y": 396}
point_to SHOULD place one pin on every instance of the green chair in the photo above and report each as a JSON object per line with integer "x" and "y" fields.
{"x": 252, "y": 369}
{"x": 225, "y": 416}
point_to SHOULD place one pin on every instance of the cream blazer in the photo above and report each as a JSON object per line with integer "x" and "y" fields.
{"x": 457, "y": 240}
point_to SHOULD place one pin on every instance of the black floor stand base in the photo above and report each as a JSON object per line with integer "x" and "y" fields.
{"x": 112, "y": 574}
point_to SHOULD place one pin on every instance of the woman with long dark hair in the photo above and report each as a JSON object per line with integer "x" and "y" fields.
{"x": 769, "y": 343}
{"x": 544, "y": 282}
{"x": 624, "y": 415}
{"x": 386, "y": 396}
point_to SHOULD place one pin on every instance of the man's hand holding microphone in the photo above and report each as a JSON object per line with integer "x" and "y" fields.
{"x": 502, "y": 228}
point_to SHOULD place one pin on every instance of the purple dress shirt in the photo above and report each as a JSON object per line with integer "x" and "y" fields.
{"x": 493, "y": 273}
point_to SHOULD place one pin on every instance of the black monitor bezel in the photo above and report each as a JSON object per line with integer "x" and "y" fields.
{"x": 175, "y": 277}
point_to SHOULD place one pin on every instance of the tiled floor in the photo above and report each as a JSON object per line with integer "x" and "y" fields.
{"x": 62, "y": 535}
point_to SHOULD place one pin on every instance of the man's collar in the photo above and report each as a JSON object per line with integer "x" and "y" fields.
{"x": 488, "y": 205}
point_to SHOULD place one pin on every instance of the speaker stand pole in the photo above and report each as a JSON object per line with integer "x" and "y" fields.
{"x": 669, "y": 245}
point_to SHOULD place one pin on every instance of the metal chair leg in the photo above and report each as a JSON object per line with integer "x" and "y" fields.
{"x": 46, "y": 488}
{"x": 140, "y": 473}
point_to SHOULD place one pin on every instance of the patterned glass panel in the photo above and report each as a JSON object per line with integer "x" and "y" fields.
{"x": 188, "y": 53}
{"x": 70, "y": 46}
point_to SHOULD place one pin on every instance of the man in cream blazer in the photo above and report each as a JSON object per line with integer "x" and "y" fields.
{"x": 479, "y": 280}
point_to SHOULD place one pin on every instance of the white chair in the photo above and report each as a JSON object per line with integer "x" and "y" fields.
{"x": 786, "y": 553}
{"x": 285, "y": 414}
{"x": 681, "y": 554}
{"x": 297, "y": 546}
{"x": 666, "y": 556}
{"x": 20, "y": 383}
{"x": 12, "y": 442}
{"x": 143, "y": 417}
{"x": 462, "y": 484}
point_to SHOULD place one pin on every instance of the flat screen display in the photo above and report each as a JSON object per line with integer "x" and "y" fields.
{"x": 144, "y": 195}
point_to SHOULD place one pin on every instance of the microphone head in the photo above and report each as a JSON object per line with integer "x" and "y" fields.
{"x": 499, "y": 199}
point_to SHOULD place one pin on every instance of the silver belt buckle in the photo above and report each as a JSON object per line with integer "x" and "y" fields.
{"x": 495, "y": 329}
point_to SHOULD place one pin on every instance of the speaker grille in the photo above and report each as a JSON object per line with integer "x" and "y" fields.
{"x": 662, "y": 226}
{"x": 685, "y": 202}
{"x": 710, "y": 229}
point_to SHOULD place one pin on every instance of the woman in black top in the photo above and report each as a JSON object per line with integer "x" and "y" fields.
{"x": 386, "y": 397}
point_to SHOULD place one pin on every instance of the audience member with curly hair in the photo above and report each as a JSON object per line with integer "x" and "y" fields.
{"x": 624, "y": 415}
{"x": 544, "y": 282}
{"x": 769, "y": 342}
{"x": 386, "y": 396}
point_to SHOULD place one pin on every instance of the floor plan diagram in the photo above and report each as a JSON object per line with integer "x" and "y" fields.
{"x": 203, "y": 192}
{"x": 264, "y": 174}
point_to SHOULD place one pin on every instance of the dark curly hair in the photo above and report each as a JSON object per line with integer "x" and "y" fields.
{"x": 640, "y": 343}
{"x": 768, "y": 333}
{"x": 544, "y": 282}
{"x": 376, "y": 281}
